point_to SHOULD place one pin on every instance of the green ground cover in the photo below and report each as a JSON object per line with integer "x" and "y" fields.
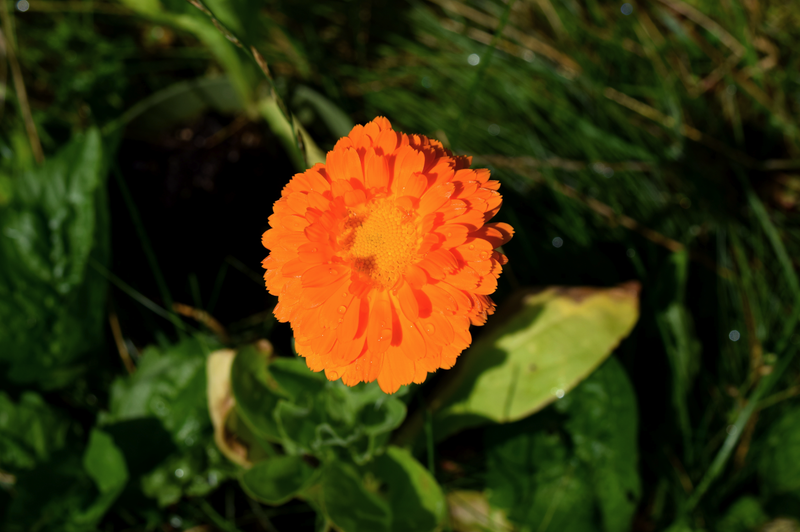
{"x": 648, "y": 151}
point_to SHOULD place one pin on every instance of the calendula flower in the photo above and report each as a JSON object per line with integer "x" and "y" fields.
{"x": 382, "y": 257}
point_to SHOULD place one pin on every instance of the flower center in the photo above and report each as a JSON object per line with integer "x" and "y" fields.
{"x": 380, "y": 240}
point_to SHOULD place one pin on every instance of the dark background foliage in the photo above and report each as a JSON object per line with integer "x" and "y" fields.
{"x": 651, "y": 141}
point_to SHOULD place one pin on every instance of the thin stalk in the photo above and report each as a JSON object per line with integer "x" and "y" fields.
{"x": 139, "y": 297}
{"x": 484, "y": 65}
{"x": 146, "y": 247}
{"x": 737, "y": 428}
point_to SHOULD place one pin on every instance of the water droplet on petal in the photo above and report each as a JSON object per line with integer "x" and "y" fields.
{"x": 430, "y": 328}
{"x": 332, "y": 375}
{"x": 313, "y": 250}
{"x": 386, "y": 334}
{"x": 342, "y": 309}
{"x": 332, "y": 271}
{"x": 472, "y": 246}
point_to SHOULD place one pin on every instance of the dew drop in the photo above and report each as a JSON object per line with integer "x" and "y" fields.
{"x": 385, "y": 334}
{"x": 332, "y": 375}
{"x": 430, "y": 328}
{"x": 332, "y": 271}
{"x": 342, "y": 309}
{"x": 313, "y": 250}
{"x": 472, "y": 246}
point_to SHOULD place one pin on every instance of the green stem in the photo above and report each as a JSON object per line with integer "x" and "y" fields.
{"x": 147, "y": 248}
{"x": 724, "y": 453}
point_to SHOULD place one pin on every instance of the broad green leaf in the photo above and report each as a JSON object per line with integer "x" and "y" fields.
{"x": 358, "y": 418}
{"x": 182, "y": 103}
{"x": 349, "y": 504}
{"x": 30, "y": 431}
{"x": 57, "y": 496}
{"x": 416, "y": 500}
{"x": 534, "y": 477}
{"x": 282, "y": 401}
{"x": 159, "y": 419}
{"x": 104, "y": 462}
{"x": 744, "y": 515}
{"x": 255, "y": 393}
{"x": 51, "y": 300}
{"x": 295, "y": 379}
{"x": 779, "y": 456}
{"x": 276, "y": 480}
{"x": 557, "y": 338}
{"x": 603, "y": 423}
{"x": 193, "y": 472}
{"x": 574, "y": 466}
{"x": 170, "y": 385}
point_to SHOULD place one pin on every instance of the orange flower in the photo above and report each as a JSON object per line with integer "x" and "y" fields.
{"x": 382, "y": 257}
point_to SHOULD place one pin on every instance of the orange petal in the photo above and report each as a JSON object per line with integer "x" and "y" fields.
{"x": 379, "y": 328}
{"x": 353, "y": 162}
{"x": 415, "y": 276}
{"x": 324, "y": 274}
{"x": 398, "y": 370}
{"x": 315, "y": 253}
{"x": 408, "y": 301}
{"x": 295, "y": 268}
{"x": 454, "y": 234}
{"x": 317, "y": 183}
{"x": 334, "y": 308}
{"x": 376, "y": 170}
{"x": 435, "y": 197}
{"x": 441, "y": 300}
{"x": 496, "y": 233}
{"x": 413, "y": 344}
{"x": 293, "y": 222}
{"x": 387, "y": 142}
{"x": 336, "y": 163}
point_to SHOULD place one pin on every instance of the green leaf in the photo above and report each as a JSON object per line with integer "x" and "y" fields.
{"x": 57, "y": 496}
{"x": 557, "y": 338}
{"x": 255, "y": 393}
{"x": 415, "y": 498}
{"x": 533, "y": 476}
{"x": 576, "y": 474}
{"x": 181, "y": 103}
{"x": 170, "y": 385}
{"x": 51, "y": 301}
{"x": 339, "y": 123}
{"x": 105, "y": 463}
{"x": 193, "y": 472}
{"x": 295, "y": 379}
{"x": 282, "y": 401}
{"x": 159, "y": 419}
{"x": 603, "y": 425}
{"x": 348, "y": 503}
{"x": 276, "y": 480}
{"x": 744, "y": 515}
{"x": 779, "y": 457}
{"x": 30, "y": 431}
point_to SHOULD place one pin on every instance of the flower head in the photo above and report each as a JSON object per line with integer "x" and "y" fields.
{"x": 382, "y": 257}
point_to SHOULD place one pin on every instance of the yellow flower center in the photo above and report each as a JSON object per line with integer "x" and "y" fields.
{"x": 380, "y": 240}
